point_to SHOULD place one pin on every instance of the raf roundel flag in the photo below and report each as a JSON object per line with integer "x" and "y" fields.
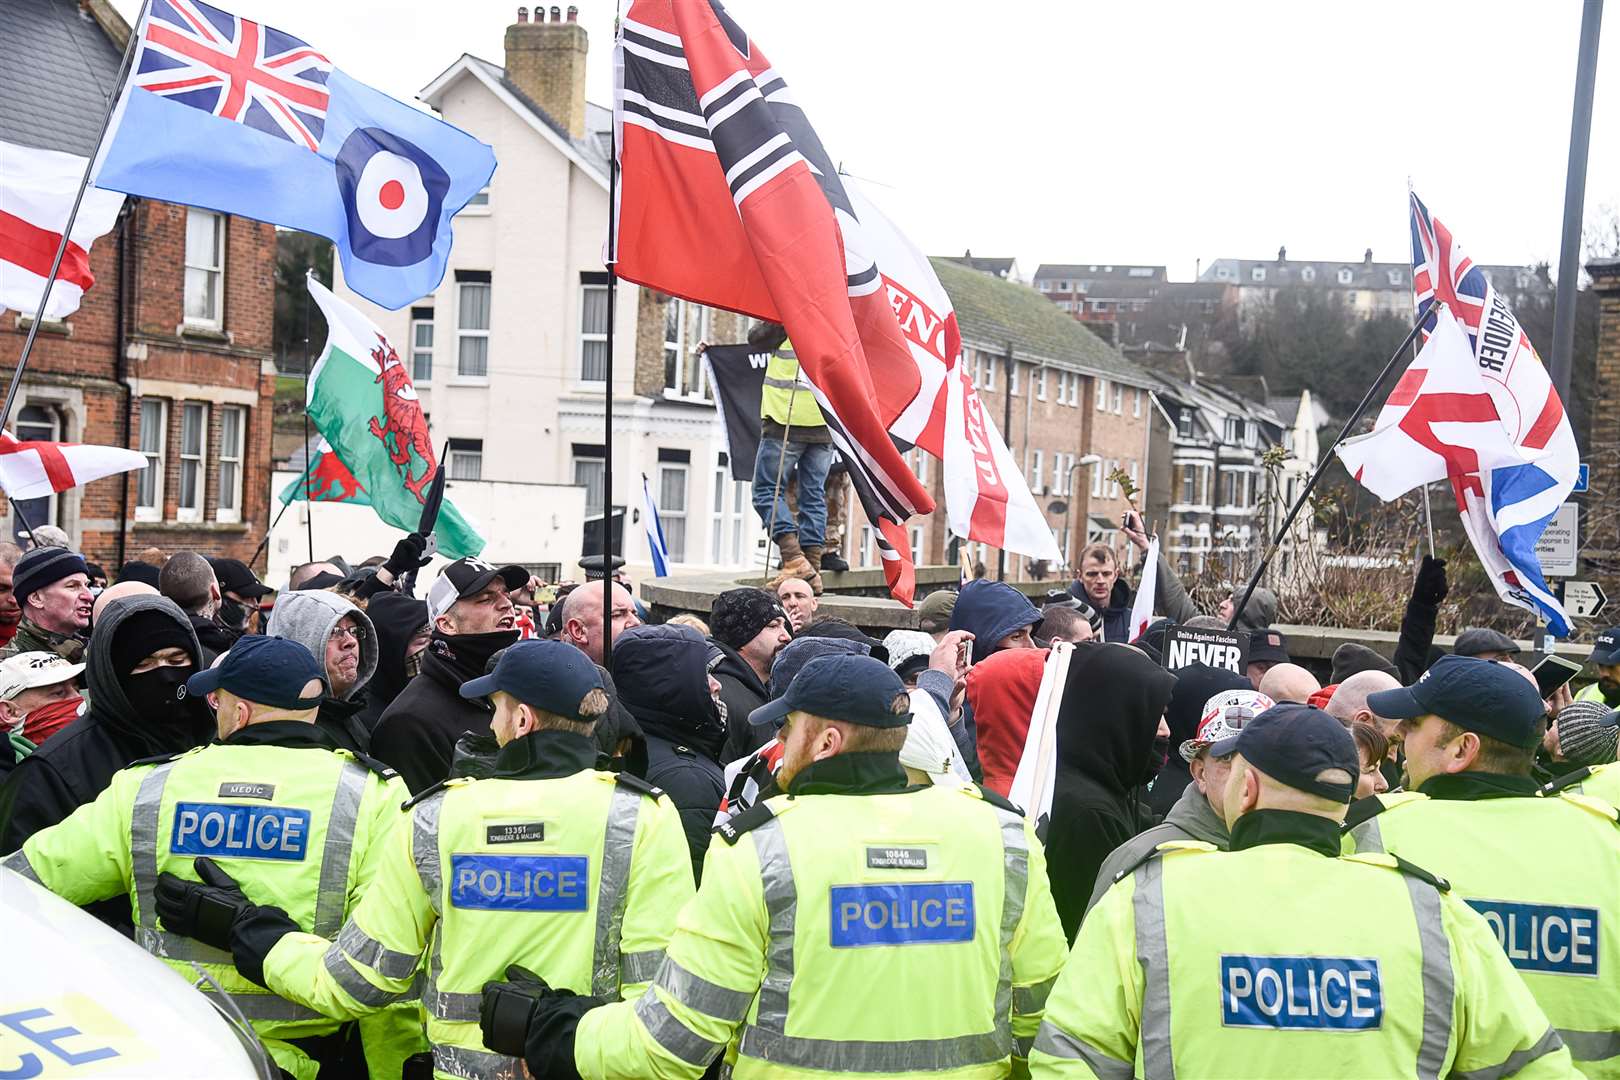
{"x": 225, "y": 113}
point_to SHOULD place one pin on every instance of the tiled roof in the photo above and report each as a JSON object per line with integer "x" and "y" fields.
{"x": 1100, "y": 271}
{"x": 1277, "y": 273}
{"x": 993, "y": 313}
{"x": 598, "y": 119}
{"x": 56, "y": 68}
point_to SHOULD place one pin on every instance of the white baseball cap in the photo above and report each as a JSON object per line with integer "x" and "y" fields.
{"x": 28, "y": 670}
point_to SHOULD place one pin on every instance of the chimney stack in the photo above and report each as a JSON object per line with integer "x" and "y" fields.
{"x": 1282, "y": 254}
{"x": 1368, "y": 257}
{"x": 546, "y": 60}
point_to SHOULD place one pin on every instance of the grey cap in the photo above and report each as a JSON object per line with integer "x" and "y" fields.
{"x": 1479, "y": 640}
{"x": 1588, "y": 733}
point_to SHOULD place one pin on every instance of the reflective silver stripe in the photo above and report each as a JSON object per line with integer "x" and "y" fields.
{"x": 1369, "y": 837}
{"x": 476, "y": 1064}
{"x": 1152, "y": 952}
{"x": 269, "y": 1007}
{"x": 640, "y": 967}
{"x": 785, "y": 384}
{"x": 781, "y": 901}
{"x": 1032, "y": 999}
{"x": 900, "y": 1056}
{"x": 1022, "y": 1046}
{"x": 362, "y": 948}
{"x": 698, "y": 993}
{"x": 1547, "y": 1044}
{"x": 1015, "y": 870}
{"x": 143, "y": 842}
{"x": 1439, "y": 989}
{"x": 425, "y": 846}
{"x": 460, "y": 1008}
{"x": 673, "y": 1035}
{"x": 1591, "y": 1045}
{"x": 1058, "y": 1043}
{"x": 333, "y": 896}
{"x": 174, "y": 947}
{"x": 617, "y": 844}
{"x": 355, "y": 984}
{"x": 18, "y": 862}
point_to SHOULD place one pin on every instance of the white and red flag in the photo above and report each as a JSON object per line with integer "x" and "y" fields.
{"x": 1147, "y": 590}
{"x": 33, "y": 470}
{"x": 36, "y": 196}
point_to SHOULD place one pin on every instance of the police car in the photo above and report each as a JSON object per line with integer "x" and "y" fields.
{"x": 79, "y": 999}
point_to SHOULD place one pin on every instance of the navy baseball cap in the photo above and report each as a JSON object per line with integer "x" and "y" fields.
{"x": 552, "y": 676}
{"x": 1606, "y": 650}
{"x": 1477, "y": 695}
{"x": 264, "y": 670}
{"x": 855, "y": 689}
{"x": 1295, "y": 743}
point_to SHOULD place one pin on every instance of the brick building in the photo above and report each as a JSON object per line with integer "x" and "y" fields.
{"x": 1599, "y": 518}
{"x": 169, "y": 352}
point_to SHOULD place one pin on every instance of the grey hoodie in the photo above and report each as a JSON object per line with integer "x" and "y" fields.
{"x": 308, "y": 618}
{"x": 1191, "y": 818}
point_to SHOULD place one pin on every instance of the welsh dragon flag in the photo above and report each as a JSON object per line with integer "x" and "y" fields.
{"x": 374, "y": 449}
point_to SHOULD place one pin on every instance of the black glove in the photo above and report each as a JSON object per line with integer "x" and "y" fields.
{"x": 1431, "y": 586}
{"x": 409, "y": 554}
{"x": 523, "y": 1017}
{"x": 216, "y": 912}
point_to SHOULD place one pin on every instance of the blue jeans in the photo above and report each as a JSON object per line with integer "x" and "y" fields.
{"x": 810, "y": 461}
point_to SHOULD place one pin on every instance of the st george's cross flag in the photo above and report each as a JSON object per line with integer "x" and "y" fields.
{"x": 36, "y": 196}
{"x": 31, "y": 469}
{"x": 1147, "y": 590}
{"x": 230, "y": 114}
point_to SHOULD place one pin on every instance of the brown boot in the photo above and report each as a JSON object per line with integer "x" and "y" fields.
{"x": 794, "y": 564}
{"x": 812, "y": 555}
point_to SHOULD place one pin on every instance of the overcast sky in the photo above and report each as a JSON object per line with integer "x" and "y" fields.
{"x": 1140, "y": 131}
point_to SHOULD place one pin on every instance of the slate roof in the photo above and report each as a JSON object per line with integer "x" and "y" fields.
{"x": 992, "y": 312}
{"x": 1321, "y": 274}
{"x": 598, "y": 119}
{"x": 1099, "y": 272}
{"x": 55, "y": 64}
{"x": 984, "y": 263}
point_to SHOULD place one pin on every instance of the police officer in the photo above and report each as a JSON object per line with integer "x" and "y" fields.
{"x": 1605, "y": 658}
{"x": 1267, "y": 962}
{"x": 549, "y": 863}
{"x": 853, "y": 925}
{"x": 1545, "y": 872}
{"x": 292, "y": 815}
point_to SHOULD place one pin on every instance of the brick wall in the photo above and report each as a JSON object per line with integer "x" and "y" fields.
{"x": 1602, "y": 545}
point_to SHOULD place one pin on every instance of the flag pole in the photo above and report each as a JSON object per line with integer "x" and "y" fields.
{"x": 1327, "y": 457}
{"x": 1569, "y": 255}
{"x": 309, "y": 463}
{"x": 73, "y": 215}
{"x": 607, "y": 382}
{"x": 1428, "y": 519}
{"x": 309, "y": 451}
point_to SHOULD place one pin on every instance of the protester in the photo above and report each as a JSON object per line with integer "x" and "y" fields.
{"x": 1258, "y": 614}
{"x": 10, "y": 612}
{"x": 831, "y": 626}
{"x": 39, "y": 694}
{"x": 1351, "y": 658}
{"x": 934, "y": 613}
{"x": 143, "y": 573}
{"x": 1267, "y": 649}
{"x": 794, "y": 444}
{"x": 747, "y": 629}
{"x": 472, "y": 621}
{"x": 1111, "y": 711}
{"x": 997, "y": 615}
{"x": 1485, "y": 644}
{"x": 929, "y": 755}
{"x": 1373, "y": 748}
{"x": 1196, "y": 685}
{"x": 1585, "y": 733}
{"x": 52, "y": 586}
{"x": 1288, "y": 682}
{"x": 1109, "y": 593}
{"x": 908, "y": 651}
{"x": 343, "y": 641}
{"x": 1198, "y": 813}
{"x": 401, "y": 623}
{"x": 314, "y": 575}
{"x": 1176, "y": 964}
{"x": 582, "y": 617}
{"x": 240, "y": 594}
{"x": 188, "y": 580}
{"x": 1063, "y": 623}
{"x": 1001, "y": 695}
{"x": 799, "y": 601}
{"x": 117, "y": 591}
{"x": 1605, "y": 657}
{"x": 1414, "y": 649}
{"x": 1348, "y": 705}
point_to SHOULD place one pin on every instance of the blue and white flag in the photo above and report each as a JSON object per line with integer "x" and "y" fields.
{"x": 229, "y": 114}
{"x": 655, "y": 530}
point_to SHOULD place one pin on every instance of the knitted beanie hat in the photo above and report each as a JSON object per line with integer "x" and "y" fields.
{"x": 1588, "y": 733}
{"x": 738, "y": 615}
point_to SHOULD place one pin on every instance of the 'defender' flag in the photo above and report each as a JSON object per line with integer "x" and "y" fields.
{"x": 363, "y": 403}
{"x": 230, "y": 114}
{"x": 655, "y": 530}
{"x": 36, "y": 196}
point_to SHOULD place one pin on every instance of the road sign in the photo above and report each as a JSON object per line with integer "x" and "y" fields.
{"x": 1557, "y": 546}
{"x": 1584, "y": 599}
{"x": 1583, "y": 479}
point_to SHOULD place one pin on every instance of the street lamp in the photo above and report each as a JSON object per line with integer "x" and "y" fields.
{"x": 1068, "y": 489}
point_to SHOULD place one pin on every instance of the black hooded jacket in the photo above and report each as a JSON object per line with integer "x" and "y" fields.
{"x": 417, "y": 733}
{"x": 76, "y": 764}
{"x": 1195, "y": 685}
{"x": 396, "y": 618}
{"x": 743, "y": 692}
{"x": 662, "y": 674}
{"x": 1105, "y": 729}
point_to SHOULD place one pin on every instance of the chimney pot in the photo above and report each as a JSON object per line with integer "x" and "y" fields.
{"x": 573, "y": 13}
{"x": 1368, "y": 257}
{"x": 523, "y": 14}
{"x": 556, "y": 14}
{"x": 1282, "y": 254}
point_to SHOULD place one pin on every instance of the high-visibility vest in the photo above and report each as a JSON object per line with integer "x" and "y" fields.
{"x": 786, "y": 397}
{"x": 577, "y": 878}
{"x": 1602, "y": 781}
{"x": 1276, "y": 961}
{"x": 293, "y": 826}
{"x": 1592, "y": 692}
{"x": 880, "y": 935}
{"x": 1545, "y": 874}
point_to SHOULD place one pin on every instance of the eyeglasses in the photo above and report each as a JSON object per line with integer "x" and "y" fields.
{"x": 356, "y": 632}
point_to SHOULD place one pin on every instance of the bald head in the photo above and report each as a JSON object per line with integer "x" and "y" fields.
{"x": 1289, "y": 682}
{"x": 582, "y": 617}
{"x": 1349, "y": 702}
{"x": 115, "y": 592}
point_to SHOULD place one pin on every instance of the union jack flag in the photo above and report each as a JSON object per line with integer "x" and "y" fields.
{"x": 234, "y": 68}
